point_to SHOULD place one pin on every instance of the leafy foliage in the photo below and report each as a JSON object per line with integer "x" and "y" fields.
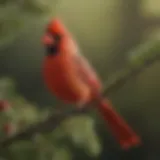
{"x": 15, "y": 16}
{"x": 77, "y": 130}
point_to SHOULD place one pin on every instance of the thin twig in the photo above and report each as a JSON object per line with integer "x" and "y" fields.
{"x": 114, "y": 83}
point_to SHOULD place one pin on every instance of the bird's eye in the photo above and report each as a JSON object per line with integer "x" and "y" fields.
{"x": 57, "y": 37}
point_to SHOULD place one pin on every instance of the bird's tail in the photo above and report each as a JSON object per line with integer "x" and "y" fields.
{"x": 117, "y": 125}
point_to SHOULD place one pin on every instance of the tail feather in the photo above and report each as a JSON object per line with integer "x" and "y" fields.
{"x": 119, "y": 128}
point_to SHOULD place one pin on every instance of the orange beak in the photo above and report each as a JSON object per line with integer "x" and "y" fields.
{"x": 47, "y": 40}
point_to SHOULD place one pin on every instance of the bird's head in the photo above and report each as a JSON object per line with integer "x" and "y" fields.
{"x": 53, "y": 36}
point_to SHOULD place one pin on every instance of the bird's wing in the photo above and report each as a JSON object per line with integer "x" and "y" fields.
{"x": 85, "y": 71}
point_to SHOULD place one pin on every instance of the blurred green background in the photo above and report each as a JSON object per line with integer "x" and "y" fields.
{"x": 106, "y": 31}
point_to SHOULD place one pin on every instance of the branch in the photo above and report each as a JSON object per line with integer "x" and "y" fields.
{"x": 140, "y": 58}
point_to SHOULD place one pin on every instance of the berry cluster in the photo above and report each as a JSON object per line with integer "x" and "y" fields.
{"x": 4, "y": 105}
{"x": 7, "y": 128}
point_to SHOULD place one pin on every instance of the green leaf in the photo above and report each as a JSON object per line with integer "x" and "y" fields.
{"x": 62, "y": 154}
{"x": 7, "y": 88}
{"x": 23, "y": 150}
{"x": 80, "y": 129}
{"x": 143, "y": 53}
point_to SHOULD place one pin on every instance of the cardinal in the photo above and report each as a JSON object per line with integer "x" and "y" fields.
{"x": 71, "y": 78}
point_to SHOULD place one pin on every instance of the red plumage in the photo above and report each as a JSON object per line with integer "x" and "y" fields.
{"x": 69, "y": 76}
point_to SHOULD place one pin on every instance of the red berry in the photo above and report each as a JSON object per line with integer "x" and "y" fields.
{"x": 8, "y": 128}
{"x": 4, "y": 105}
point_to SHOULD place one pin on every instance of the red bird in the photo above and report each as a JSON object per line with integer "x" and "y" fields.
{"x": 69, "y": 76}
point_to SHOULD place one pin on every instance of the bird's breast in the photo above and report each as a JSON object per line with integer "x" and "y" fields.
{"x": 61, "y": 80}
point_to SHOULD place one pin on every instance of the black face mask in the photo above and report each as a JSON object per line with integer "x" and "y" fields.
{"x": 52, "y": 49}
